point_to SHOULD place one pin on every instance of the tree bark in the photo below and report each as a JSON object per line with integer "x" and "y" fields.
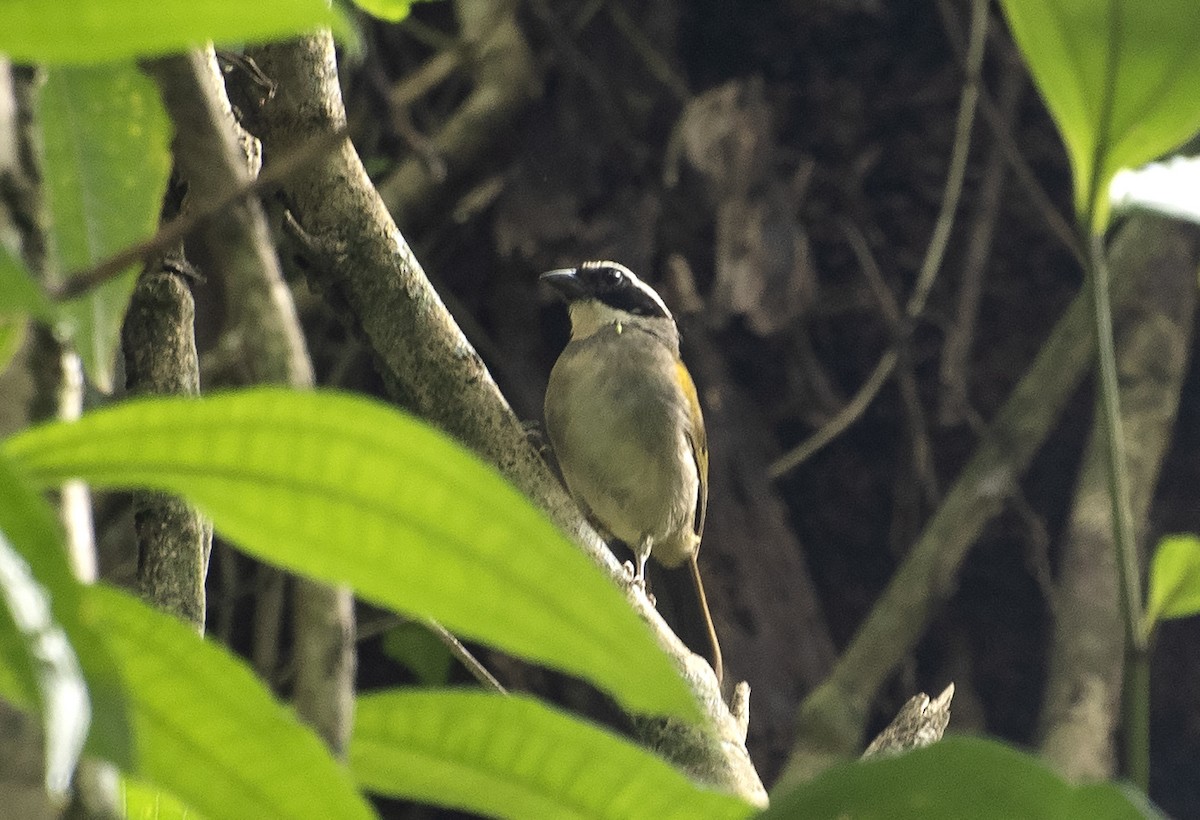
{"x": 1087, "y": 654}
{"x": 355, "y": 255}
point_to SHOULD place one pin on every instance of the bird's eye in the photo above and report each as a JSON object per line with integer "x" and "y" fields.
{"x": 612, "y": 276}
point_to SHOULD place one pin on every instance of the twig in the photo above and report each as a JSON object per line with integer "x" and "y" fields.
{"x": 934, "y": 253}
{"x": 504, "y": 83}
{"x": 956, "y": 350}
{"x": 389, "y": 620}
{"x": 920, "y": 722}
{"x": 958, "y": 161}
{"x": 416, "y": 85}
{"x": 1001, "y": 127}
{"x": 229, "y": 591}
{"x": 178, "y": 229}
{"x": 427, "y": 35}
{"x": 464, "y": 656}
{"x": 924, "y": 581}
{"x": 907, "y": 382}
{"x": 654, "y": 62}
{"x": 1039, "y": 548}
{"x": 843, "y": 419}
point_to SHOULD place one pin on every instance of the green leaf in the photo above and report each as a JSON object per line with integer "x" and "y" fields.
{"x": 38, "y": 656}
{"x": 18, "y": 679}
{"x": 393, "y": 11}
{"x": 62, "y": 691}
{"x": 207, "y": 730}
{"x": 513, "y": 756}
{"x": 18, "y": 675}
{"x": 349, "y": 491}
{"x": 12, "y": 336}
{"x": 955, "y": 778}
{"x": 420, "y": 651}
{"x": 143, "y": 802}
{"x": 107, "y": 160}
{"x": 33, "y": 530}
{"x": 1174, "y": 580}
{"x": 1121, "y": 79}
{"x": 92, "y": 31}
{"x": 19, "y": 296}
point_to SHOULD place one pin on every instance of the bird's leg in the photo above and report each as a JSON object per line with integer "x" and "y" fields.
{"x": 636, "y": 575}
{"x": 641, "y": 552}
{"x": 639, "y": 577}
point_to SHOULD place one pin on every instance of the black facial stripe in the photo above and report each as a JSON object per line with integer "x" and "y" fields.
{"x": 613, "y": 287}
{"x": 632, "y": 299}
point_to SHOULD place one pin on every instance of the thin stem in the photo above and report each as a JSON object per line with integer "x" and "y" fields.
{"x": 179, "y": 228}
{"x": 934, "y": 254}
{"x": 464, "y": 656}
{"x": 964, "y": 122}
{"x": 1128, "y": 576}
{"x": 1137, "y": 717}
{"x": 373, "y": 629}
{"x": 844, "y": 418}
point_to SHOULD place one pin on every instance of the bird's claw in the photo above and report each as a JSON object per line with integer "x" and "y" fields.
{"x": 634, "y": 580}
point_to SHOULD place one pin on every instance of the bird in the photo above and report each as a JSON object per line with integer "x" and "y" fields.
{"x": 625, "y": 425}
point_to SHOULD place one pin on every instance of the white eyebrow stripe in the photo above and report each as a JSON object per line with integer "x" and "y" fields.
{"x": 642, "y": 286}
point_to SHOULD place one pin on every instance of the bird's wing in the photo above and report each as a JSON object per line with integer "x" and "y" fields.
{"x": 698, "y": 440}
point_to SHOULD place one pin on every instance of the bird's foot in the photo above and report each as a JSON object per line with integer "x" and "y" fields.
{"x": 638, "y": 580}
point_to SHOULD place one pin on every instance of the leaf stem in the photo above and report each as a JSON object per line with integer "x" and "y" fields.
{"x": 1128, "y": 576}
{"x": 1137, "y": 717}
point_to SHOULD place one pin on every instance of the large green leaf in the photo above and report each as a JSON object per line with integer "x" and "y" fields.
{"x": 513, "y": 756}
{"x": 35, "y": 533}
{"x": 62, "y": 693}
{"x": 1120, "y": 77}
{"x": 203, "y": 727}
{"x": 207, "y": 730}
{"x": 38, "y": 658}
{"x": 19, "y": 299}
{"x": 19, "y": 296}
{"x": 143, "y": 802}
{"x": 18, "y": 678}
{"x": 350, "y": 491}
{"x": 107, "y": 158}
{"x": 391, "y": 10}
{"x": 414, "y": 646}
{"x": 12, "y": 336}
{"x": 1174, "y": 580}
{"x": 90, "y": 31}
{"x": 952, "y": 779}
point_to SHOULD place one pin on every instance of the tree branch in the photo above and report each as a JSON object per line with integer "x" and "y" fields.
{"x": 832, "y": 718}
{"x": 233, "y": 241}
{"x": 1086, "y": 655}
{"x": 356, "y": 256}
{"x": 174, "y": 539}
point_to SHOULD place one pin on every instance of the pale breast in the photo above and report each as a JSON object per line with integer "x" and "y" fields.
{"x": 620, "y": 436}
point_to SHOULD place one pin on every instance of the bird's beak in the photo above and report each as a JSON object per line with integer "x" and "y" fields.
{"x": 565, "y": 282}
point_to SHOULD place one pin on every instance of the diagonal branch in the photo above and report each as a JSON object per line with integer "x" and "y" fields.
{"x": 833, "y": 717}
{"x": 356, "y": 256}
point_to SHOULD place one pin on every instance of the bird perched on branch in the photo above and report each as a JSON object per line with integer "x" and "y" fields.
{"x": 624, "y": 420}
